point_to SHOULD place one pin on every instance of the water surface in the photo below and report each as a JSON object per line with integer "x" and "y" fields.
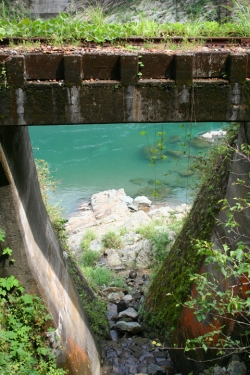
{"x": 90, "y": 158}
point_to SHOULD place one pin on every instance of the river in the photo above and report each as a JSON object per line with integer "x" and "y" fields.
{"x": 86, "y": 159}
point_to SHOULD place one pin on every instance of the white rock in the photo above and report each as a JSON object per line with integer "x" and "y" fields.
{"x": 142, "y": 201}
{"x": 127, "y": 298}
{"x": 127, "y": 199}
{"x": 114, "y": 260}
{"x": 115, "y": 297}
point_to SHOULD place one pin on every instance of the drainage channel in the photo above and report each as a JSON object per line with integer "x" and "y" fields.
{"x": 132, "y": 350}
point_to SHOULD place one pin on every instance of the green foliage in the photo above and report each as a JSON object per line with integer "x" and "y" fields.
{"x": 92, "y": 25}
{"x": 112, "y": 240}
{"x": 22, "y": 347}
{"x": 100, "y": 276}
{"x": 95, "y": 308}
{"x": 16, "y": 11}
{"x": 48, "y": 184}
{"x": 89, "y": 258}
{"x": 158, "y": 238}
{"x": 223, "y": 291}
{"x": 183, "y": 259}
{"x": 87, "y": 238}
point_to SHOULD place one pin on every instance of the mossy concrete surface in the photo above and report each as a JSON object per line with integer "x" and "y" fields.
{"x": 120, "y": 87}
{"x": 183, "y": 259}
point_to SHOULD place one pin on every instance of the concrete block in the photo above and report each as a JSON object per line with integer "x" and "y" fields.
{"x": 44, "y": 67}
{"x": 238, "y": 68}
{"x": 210, "y": 65}
{"x": 3, "y": 59}
{"x": 129, "y": 69}
{"x": 184, "y": 68}
{"x": 101, "y": 66}
{"x": 15, "y": 71}
{"x": 157, "y": 66}
{"x": 73, "y": 70}
{"x": 248, "y": 64}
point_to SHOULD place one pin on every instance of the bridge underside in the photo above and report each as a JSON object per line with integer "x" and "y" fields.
{"x": 46, "y": 89}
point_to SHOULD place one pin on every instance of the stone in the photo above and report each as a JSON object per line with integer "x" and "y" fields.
{"x": 122, "y": 305}
{"x": 218, "y": 371}
{"x": 237, "y": 368}
{"x": 132, "y": 274}
{"x": 133, "y": 207}
{"x": 127, "y": 298}
{"x": 131, "y": 327}
{"x": 114, "y": 260}
{"x": 155, "y": 370}
{"x": 127, "y": 199}
{"x": 129, "y": 313}
{"x": 115, "y": 297}
{"x": 142, "y": 201}
{"x": 114, "y": 335}
{"x": 112, "y": 289}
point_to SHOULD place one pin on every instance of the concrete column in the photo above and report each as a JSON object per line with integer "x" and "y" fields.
{"x": 39, "y": 262}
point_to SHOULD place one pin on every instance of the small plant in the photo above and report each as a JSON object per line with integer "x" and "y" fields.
{"x": 22, "y": 347}
{"x": 89, "y": 258}
{"x": 100, "y": 276}
{"x": 88, "y": 237}
{"x": 112, "y": 240}
{"x": 158, "y": 238}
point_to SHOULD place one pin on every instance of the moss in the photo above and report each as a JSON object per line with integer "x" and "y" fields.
{"x": 183, "y": 260}
{"x": 94, "y": 308}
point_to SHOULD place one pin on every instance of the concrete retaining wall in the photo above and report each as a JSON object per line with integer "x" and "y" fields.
{"x": 47, "y": 8}
{"x": 39, "y": 262}
{"x": 105, "y": 88}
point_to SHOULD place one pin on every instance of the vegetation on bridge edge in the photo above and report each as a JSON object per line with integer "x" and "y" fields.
{"x": 93, "y": 26}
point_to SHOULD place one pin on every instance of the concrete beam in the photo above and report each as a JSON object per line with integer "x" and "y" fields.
{"x": 97, "y": 87}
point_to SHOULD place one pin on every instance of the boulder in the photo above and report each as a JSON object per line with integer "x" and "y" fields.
{"x": 128, "y": 200}
{"x": 108, "y": 202}
{"x": 131, "y": 327}
{"x": 129, "y": 313}
{"x": 114, "y": 260}
{"x": 122, "y": 305}
{"x": 237, "y": 368}
{"x": 127, "y": 298}
{"x": 142, "y": 201}
{"x": 115, "y": 297}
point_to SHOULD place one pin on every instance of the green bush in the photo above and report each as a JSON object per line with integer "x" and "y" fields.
{"x": 158, "y": 238}
{"x": 100, "y": 276}
{"x": 23, "y": 349}
{"x": 89, "y": 258}
{"x": 87, "y": 238}
{"x": 112, "y": 240}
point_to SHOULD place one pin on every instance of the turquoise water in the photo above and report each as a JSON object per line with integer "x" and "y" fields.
{"x": 90, "y": 158}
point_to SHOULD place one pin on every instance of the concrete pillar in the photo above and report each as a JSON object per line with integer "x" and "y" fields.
{"x": 39, "y": 262}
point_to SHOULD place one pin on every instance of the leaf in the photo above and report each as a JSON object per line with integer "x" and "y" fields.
{"x": 7, "y": 251}
{"x": 27, "y": 299}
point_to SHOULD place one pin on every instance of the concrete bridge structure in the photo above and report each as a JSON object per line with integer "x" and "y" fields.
{"x": 87, "y": 88}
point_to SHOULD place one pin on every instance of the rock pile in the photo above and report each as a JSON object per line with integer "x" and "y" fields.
{"x": 114, "y": 210}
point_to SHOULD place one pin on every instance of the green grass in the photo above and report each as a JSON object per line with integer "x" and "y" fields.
{"x": 99, "y": 276}
{"x": 91, "y": 25}
{"x": 88, "y": 237}
{"x": 112, "y": 240}
{"x": 158, "y": 238}
{"x": 89, "y": 258}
